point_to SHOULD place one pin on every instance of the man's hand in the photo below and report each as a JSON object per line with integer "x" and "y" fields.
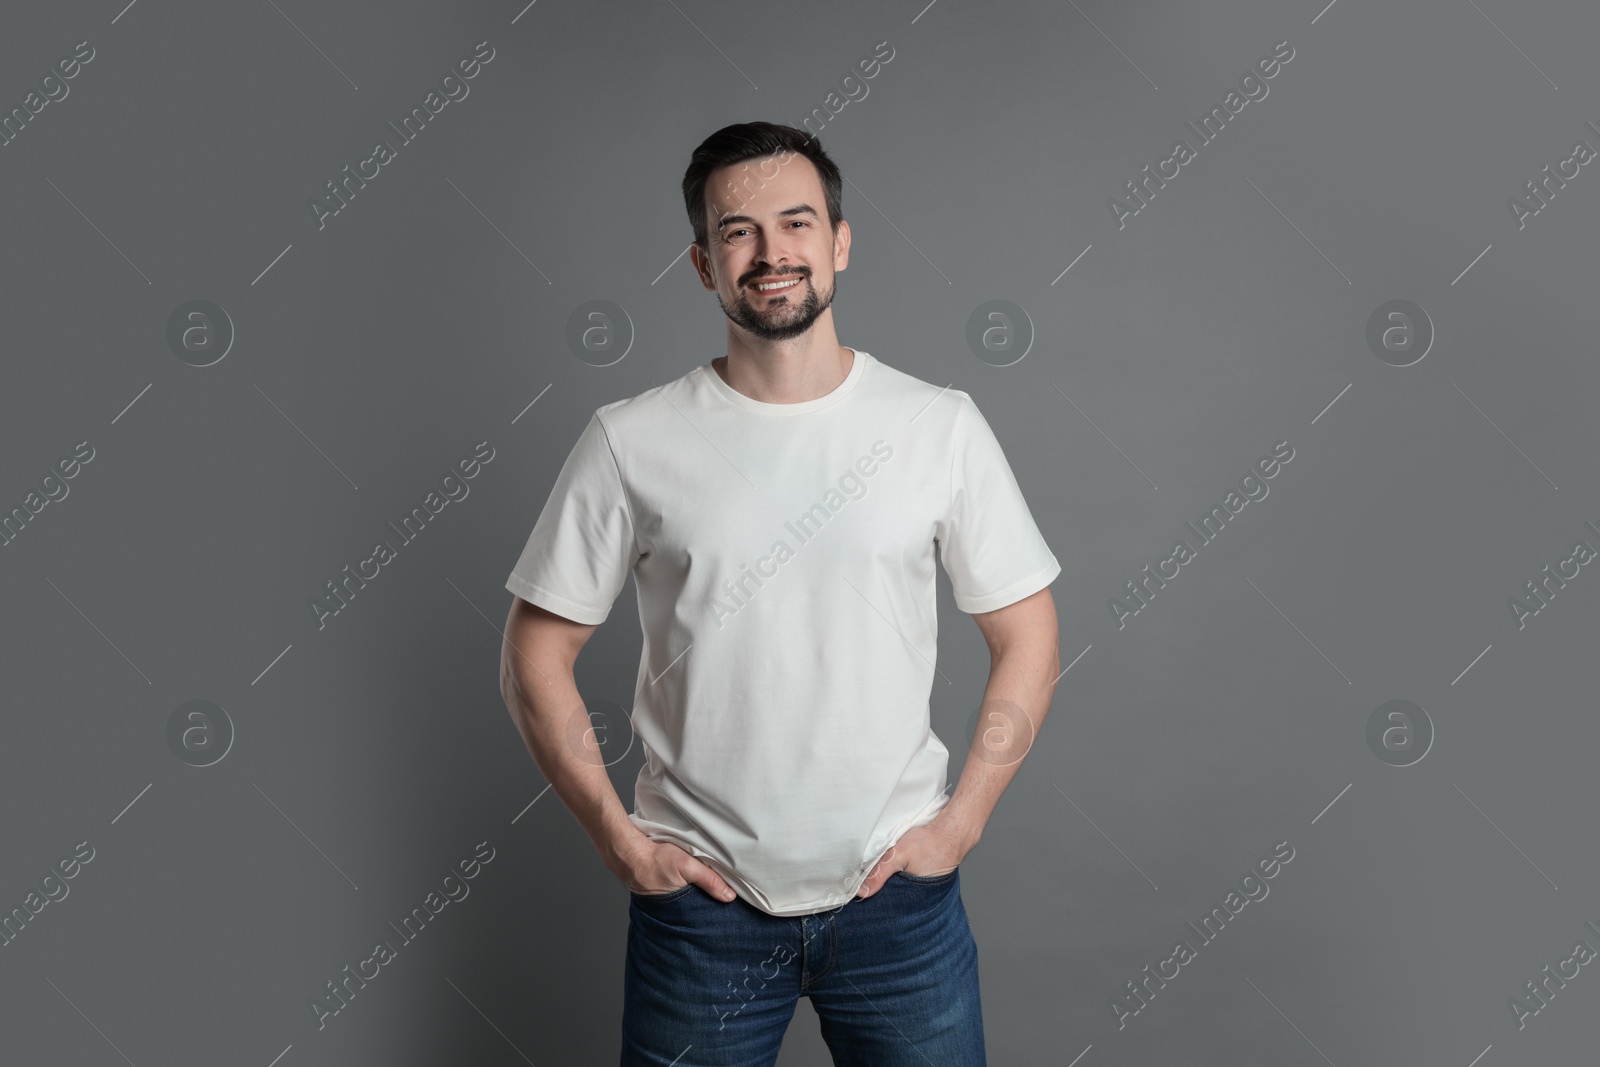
{"x": 931, "y": 849}
{"x": 661, "y": 867}
{"x": 1024, "y": 667}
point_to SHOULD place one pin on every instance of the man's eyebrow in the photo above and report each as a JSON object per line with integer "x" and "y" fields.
{"x": 798, "y": 209}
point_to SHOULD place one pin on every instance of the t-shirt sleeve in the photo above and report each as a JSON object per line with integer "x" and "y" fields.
{"x": 582, "y": 546}
{"x": 988, "y": 542}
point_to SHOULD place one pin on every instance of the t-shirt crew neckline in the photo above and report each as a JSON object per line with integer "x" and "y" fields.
{"x": 738, "y": 399}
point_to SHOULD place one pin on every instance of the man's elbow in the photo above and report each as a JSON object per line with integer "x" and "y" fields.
{"x": 538, "y": 643}
{"x": 1028, "y": 627}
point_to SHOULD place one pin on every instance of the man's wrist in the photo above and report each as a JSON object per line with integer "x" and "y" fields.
{"x": 619, "y": 844}
{"x": 966, "y": 830}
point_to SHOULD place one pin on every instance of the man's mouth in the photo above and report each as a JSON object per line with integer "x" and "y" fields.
{"x": 776, "y": 286}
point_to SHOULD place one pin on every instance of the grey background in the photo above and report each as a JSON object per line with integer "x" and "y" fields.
{"x": 1228, "y": 315}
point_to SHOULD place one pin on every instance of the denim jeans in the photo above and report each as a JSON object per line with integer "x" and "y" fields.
{"x": 893, "y": 978}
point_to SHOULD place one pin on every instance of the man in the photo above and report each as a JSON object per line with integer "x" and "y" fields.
{"x": 779, "y": 508}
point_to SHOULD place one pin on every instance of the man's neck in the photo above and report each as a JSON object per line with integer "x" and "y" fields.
{"x": 786, "y": 373}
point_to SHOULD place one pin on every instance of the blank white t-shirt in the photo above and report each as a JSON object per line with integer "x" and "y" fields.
{"x": 784, "y": 561}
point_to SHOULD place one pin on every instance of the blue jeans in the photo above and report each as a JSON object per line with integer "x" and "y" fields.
{"x": 893, "y": 978}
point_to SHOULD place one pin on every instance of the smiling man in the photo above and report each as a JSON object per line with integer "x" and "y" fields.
{"x": 780, "y": 508}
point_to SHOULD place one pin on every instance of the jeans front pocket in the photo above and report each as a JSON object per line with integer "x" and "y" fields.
{"x": 662, "y": 898}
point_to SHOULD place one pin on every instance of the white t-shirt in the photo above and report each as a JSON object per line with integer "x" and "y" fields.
{"x": 784, "y": 561}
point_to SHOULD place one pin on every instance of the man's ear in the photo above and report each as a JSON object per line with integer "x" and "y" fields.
{"x": 702, "y": 265}
{"x": 841, "y": 246}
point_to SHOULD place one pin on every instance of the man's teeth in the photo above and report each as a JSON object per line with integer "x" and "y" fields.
{"x": 768, "y": 286}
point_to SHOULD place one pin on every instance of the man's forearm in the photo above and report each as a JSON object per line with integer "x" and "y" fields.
{"x": 1015, "y": 701}
{"x": 555, "y": 726}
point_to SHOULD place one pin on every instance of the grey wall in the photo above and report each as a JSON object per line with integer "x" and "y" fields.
{"x": 1436, "y": 868}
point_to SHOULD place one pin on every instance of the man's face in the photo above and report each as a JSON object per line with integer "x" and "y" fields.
{"x": 767, "y": 224}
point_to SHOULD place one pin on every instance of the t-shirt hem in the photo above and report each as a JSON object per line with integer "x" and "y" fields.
{"x": 567, "y": 609}
{"x": 759, "y": 900}
{"x": 1023, "y": 587}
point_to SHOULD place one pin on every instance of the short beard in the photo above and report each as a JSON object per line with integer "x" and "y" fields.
{"x": 744, "y": 314}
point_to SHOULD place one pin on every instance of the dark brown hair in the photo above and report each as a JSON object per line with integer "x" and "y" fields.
{"x": 756, "y": 140}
